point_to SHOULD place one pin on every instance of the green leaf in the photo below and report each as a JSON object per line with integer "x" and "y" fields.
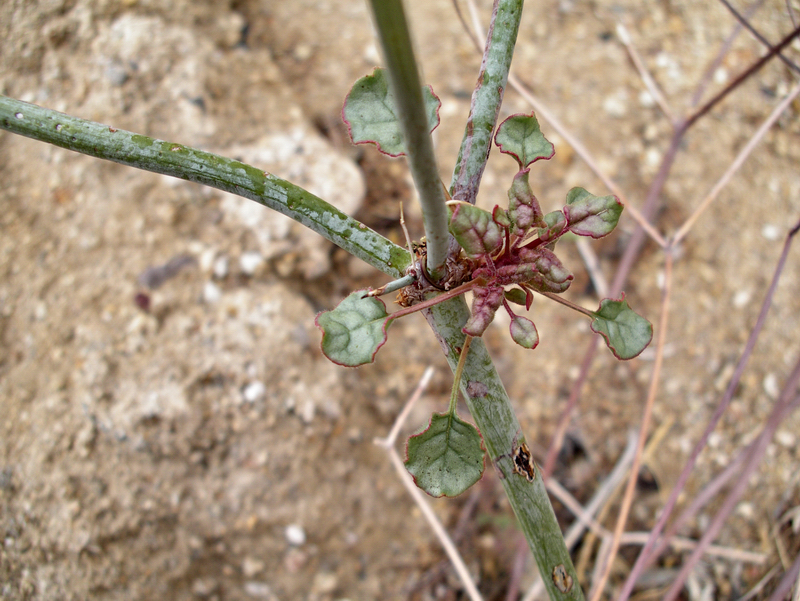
{"x": 520, "y": 136}
{"x": 447, "y": 457}
{"x": 517, "y": 296}
{"x": 590, "y": 215}
{"x": 370, "y": 113}
{"x": 475, "y": 230}
{"x": 523, "y": 332}
{"x": 354, "y": 331}
{"x": 626, "y": 333}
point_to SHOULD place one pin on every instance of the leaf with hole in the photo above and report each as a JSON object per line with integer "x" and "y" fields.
{"x": 520, "y": 136}
{"x": 626, "y": 333}
{"x": 370, "y": 113}
{"x": 590, "y": 215}
{"x": 447, "y": 457}
{"x": 354, "y": 331}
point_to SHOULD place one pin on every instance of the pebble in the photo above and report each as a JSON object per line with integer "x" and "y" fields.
{"x": 251, "y": 566}
{"x": 250, "y": 261}
{"x": 211, "y": 293}
{"x": 221, "y": 267}
{"x": 771, "y": 232}
{"x": 295, "y": 535}
{"x": 255, "y": 391}
{"x": 258, "y": 590}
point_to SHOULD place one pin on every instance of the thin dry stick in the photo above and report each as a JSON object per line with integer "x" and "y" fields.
{"x": 388, "y": 444}
{"x": 761, "y": 583}
{"x": 785, "y": 405}
{"x": 680, "y": 543}
{"x": 645, "y": 558}
{"x": 655, "y": 378}
{"x": 649, "y": 82}
{"x": 726, "y": 46}
{"x": 737, "y": 163}
{"x": 746, "y": 24}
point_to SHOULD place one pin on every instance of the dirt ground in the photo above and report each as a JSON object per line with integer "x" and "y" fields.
{"x": 183, "y": 438}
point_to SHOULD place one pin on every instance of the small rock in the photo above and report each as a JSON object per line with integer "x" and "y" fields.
{"x": 204, "y": 587}
{"x": 295, "y": 535}
{"x": 258, "y": 590}
{"x": 771, "y": 232}
{"x": 250, "y": 261}
{"x": 255, "y": 391}
{"x": 211, "y": 293}
{"x": 325, "y": 583}
{"x": 251, "y": 566}
{"x": 221, "y": 267}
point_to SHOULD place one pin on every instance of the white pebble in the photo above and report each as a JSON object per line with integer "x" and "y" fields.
{"x": 258, "y": 590}
{"x": 771, "y": 386}
{"x": 255, "y": 391}
{"x": 221, "y": 267}
{"x": 250, "y": 261}
{"x": 211, "y": 293}
{"x": 741, "y": 298}
{"x": 295, "y": 535}
{"x": 771, "y": 232}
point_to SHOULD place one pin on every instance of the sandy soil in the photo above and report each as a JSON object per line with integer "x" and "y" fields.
{"x": 203, "y": 448}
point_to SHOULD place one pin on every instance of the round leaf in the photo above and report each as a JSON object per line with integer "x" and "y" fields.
{"x": 447, "y": 457}
{"x": 354, "y": 331}
{"x": 626, "y": 333}
{"x": 520, "y": 136}
{"x": 475, "y": 230}
{"x": 369, "y": 112}
{"x": 523, "y": 332}
{"x": 590, "y": 215}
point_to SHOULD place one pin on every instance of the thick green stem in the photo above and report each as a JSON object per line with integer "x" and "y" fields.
{"x": 176, "y": 160}
{"x": 398, "y": 52}
{"x": 486, "y": 100}
{"x": 491, "y": 409}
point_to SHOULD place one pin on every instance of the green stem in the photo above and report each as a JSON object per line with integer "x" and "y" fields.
{"x": 486, "y": 100}
{"x": 390, "y": 21}
{"x": 494, "y": 416}
{"x": 176, "y": 160}
{"x": 462, "y": 358}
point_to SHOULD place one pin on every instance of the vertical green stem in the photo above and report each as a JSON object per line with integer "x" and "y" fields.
{"x": 494, "y": 415}
{"x": 486, "y": 99}
{"x": 390, "y": 21}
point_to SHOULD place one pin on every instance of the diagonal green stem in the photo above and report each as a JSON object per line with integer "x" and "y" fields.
{"x": 486, "y": 100}
{"x": 169, "y": 158}
{"x": 390, "y": 21}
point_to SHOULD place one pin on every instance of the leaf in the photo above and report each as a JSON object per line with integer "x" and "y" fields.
{"x": 523, "y": 332}
{"x": 485, "y": 302}
{"x": 475, "y": 230}
{"x": 590, "y": 215}
{"x": 523, "y": 208}
{"x": 369, "y": 112}
{"x": 626, "y": 333}
{"x": 354, "y": 331}
{"x": 447, "y": 457}
{"x": 520, "y": 136}
{"x": 554, "y": 226}
{"x": 516, "y": 296}
{"x": 542, "y": 270}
